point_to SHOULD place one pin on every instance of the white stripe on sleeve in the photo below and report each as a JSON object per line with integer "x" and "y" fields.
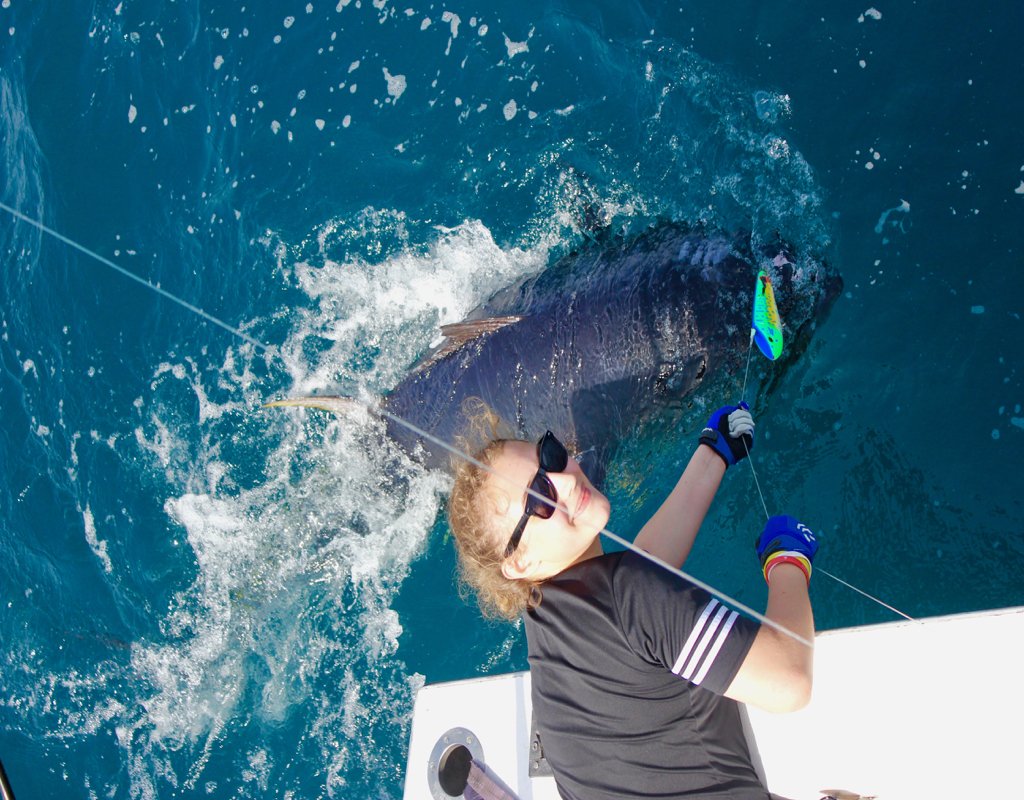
{"x": 705, "y": 640}
{"x": 694, "y": 636}
{"x": 723, "y": 634}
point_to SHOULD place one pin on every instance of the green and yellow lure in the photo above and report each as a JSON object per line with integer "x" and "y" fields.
{"x": 767, "y": 325}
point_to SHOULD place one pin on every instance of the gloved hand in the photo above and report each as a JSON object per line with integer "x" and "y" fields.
{"x": 786, "y": 541}
{"x": 726, "y": 432}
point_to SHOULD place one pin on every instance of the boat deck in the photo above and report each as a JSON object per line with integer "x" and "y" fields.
{"x": 902, "y": 710}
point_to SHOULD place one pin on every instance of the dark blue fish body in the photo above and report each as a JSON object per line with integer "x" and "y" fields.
{"x": 604, "y": 338}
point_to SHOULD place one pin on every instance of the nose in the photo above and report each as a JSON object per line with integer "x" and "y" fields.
{"x": 564, "y": 483}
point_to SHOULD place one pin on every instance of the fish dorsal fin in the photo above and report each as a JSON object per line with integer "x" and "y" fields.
{"x": 462, "y": 332}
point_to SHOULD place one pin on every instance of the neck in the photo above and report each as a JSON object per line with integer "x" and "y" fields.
{"x": 593, "y": 551}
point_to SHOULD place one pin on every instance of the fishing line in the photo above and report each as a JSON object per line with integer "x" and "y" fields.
{"x": 163, "y": 292}
{"x": 603, "y": 531}
{"x": 373, "y": 408}
{"x": 757, "y": 483}
{"x": 746, "y": 372}
{"x": 833, "y": 577}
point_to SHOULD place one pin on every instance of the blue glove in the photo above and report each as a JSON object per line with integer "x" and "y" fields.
{"x": 785, "y": 540}
{"x": 730, "y": 433}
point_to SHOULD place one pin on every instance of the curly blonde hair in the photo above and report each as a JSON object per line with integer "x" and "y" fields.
{"x": 471, "y": 511}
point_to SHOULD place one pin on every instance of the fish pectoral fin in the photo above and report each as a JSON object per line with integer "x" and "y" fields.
{"x": 462, "y": 332}
{"x": 334, "y": 404}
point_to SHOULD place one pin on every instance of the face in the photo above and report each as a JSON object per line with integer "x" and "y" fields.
{"x": 548, "y": 546}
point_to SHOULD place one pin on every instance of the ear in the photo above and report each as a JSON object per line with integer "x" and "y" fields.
{"x": 519, "y": 567}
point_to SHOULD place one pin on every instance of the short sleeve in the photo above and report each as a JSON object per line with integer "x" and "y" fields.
{"x": 668, "y": 621}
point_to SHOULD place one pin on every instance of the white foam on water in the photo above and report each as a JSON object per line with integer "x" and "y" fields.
{"x": 399, "y": 304}
{"x": 98, "y": 547}
{"x": 903, "y": 207}
{"x": 396, "y": 84}
{"x": 513, "y": 47}
{"x": 295, "y": 567}
{"x": 297, "y": 572}
{"x": 453, "y": 21}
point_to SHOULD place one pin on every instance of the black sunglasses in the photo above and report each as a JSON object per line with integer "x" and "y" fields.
{"x": 552, "y": 457}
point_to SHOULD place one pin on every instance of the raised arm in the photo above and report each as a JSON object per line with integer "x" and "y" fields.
{"x": 670, "y": 533}
{"x": 777, "y": 673}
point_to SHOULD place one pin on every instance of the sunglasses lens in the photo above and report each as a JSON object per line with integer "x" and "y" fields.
{"x": 539, "y": 508}
{"x": 552, "y": 454}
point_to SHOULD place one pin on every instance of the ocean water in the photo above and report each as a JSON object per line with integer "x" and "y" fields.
{"x": 205, "y": 599}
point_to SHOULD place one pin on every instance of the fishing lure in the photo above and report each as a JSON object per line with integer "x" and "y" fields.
{"x": 767, "y": 326}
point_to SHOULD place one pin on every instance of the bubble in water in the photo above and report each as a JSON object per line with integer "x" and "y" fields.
{"x": 764, "y": 104}
{"x": 995, "y": 433}
{"x": 770, "y": 106}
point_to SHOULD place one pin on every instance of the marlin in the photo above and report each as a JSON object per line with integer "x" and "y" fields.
{"x": 602, "y": 339}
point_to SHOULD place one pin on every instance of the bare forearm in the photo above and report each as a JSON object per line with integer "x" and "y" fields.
{"x": 777, "y": 673}
{"x": 790, "y": 606}
{"x": 670, "y": 533}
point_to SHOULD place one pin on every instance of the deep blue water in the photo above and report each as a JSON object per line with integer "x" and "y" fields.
{"x": 201, "y": 598}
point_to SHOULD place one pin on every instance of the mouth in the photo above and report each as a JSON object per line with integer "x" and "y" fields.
{"x": 582, "y": 503}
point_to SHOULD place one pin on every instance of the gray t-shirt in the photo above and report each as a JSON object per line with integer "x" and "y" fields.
{"x": 628, "y": 664}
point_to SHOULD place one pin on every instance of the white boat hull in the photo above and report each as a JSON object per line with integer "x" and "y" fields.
{"x": 903, "y": 710}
